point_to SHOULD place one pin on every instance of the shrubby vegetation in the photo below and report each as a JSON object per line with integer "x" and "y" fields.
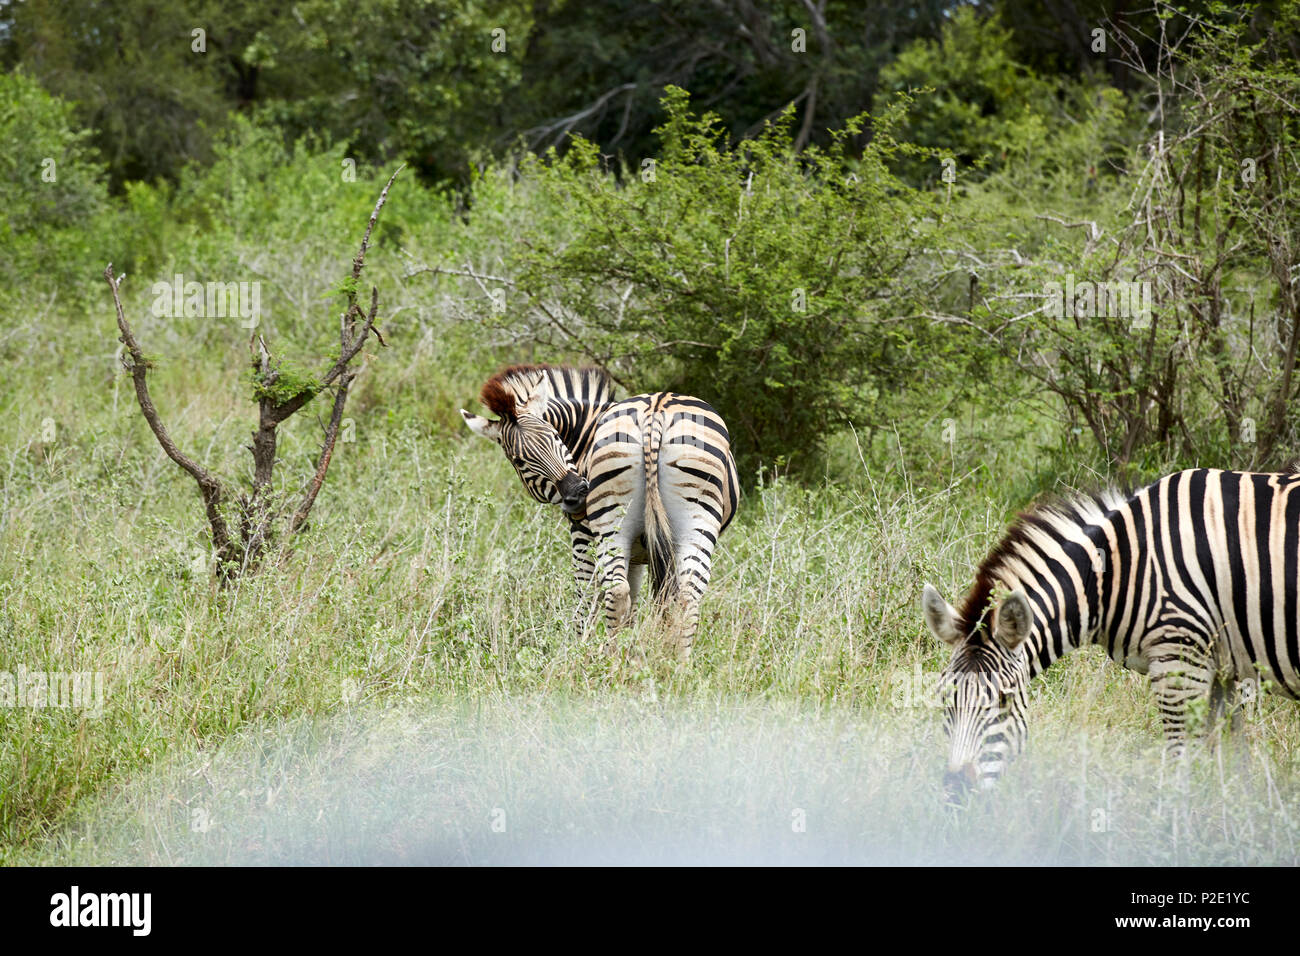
{"x": 778, "y": 282}
{"x": 858, "y": 280}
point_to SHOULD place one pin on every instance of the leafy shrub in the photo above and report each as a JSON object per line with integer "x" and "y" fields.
{"x": 51, "y": 184}
{"x": 982, "y": 107}
{"x": 773, "y": 284}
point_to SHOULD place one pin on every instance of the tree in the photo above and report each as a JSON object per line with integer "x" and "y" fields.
{"x": 51, "y": 183}
{"x": 1205, "y": 225}
{"x": 981, "y": 105}
{"x": 420, "y": 79}
{"x": 280, "y": 391}
{"x": 771, "y": 283}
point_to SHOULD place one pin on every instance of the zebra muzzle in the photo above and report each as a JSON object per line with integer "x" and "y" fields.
{"x": 958, "y": 783}
{"x": 573, "y": 493}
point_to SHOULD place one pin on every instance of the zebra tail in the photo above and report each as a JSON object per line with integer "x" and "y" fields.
{"x": 658, "y": 528}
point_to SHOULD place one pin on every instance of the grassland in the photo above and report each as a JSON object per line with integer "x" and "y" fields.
{"x": 407, "y": 677}
{"x": 410, "y": 671}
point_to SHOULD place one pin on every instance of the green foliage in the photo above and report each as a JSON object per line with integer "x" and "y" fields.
{"x": 769, "y": 283}
{"x": 393, "y": 77}
{"x": 111, "y": 62}
{"x": 49, "y": 178}
{"x": 289, "y": 382}
{"x": 974, "y": 103}
{"x": 383, "y": 77}
{"x": 51, "y": 184}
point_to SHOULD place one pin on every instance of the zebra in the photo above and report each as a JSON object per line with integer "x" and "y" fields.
{"x": 1191, "y": 581}
{"x": 644, "y": 481}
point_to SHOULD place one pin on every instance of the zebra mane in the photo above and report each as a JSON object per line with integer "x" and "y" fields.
{"x": 1051, "y": 517}
{"x": 514, "y": 386}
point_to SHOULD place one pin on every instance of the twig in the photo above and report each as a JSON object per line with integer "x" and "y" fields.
{"x": 211, "y": 490}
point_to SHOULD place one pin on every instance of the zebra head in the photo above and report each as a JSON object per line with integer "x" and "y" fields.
{"x": 534, "y": 447}
{"x": 985, "y": 686}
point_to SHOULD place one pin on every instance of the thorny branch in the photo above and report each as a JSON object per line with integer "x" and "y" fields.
{"x": 258, "y": 511}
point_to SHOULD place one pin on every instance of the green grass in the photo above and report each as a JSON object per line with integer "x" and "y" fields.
{"x": 627, "y": 778}
{"x": 411, "y": 667}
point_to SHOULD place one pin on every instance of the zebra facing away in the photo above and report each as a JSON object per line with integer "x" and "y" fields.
{"x": 645, "y": 481}
{"x": 1192, "y": 581}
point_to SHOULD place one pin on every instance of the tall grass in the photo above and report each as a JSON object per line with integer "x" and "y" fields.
{"x": 430, "y": 613}
{"x": 410, "y": 667}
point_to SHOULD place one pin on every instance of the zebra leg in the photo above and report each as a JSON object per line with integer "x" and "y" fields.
{"x": 693, "y": 570}
{"x": 583, "y": 575}
{"x": 1178, "y": 677}
{"x": 635, "y": 575}
{"x": 612, "y": 575}
{"x": 1225, "y": 702}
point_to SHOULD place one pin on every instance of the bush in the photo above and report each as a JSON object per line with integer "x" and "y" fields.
{"x": 771, "y": 284}
{"x": 51, "y": 185}
{"x": 980, "y": 106}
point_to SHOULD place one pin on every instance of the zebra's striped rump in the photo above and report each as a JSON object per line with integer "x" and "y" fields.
{"x": 1193, "y": 580}
{"x": 646, "y": 481}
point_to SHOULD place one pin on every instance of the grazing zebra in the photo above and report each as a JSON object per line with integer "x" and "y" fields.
{"x": 647, "y": 480}
{"x": 1192, "y": 581}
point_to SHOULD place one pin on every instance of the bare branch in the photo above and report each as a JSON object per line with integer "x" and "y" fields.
{"x": 210, "y": 488}
{"x": 326, "y": 454}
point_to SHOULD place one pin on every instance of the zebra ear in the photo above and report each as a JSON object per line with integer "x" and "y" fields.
{"x": 941, "y": 616}
{"x": 481, "y": 426}
{"x": 1014, "y": 620}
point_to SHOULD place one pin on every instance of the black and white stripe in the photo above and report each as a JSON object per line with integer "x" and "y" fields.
{"x": 646, "y": 481}
{"x": 1193, "y": 581}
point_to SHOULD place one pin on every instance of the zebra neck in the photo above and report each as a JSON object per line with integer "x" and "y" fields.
{"x": 575, "y": 420}
{"x": 1058, "y": 635}
{"x": 1064, "y": 578}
